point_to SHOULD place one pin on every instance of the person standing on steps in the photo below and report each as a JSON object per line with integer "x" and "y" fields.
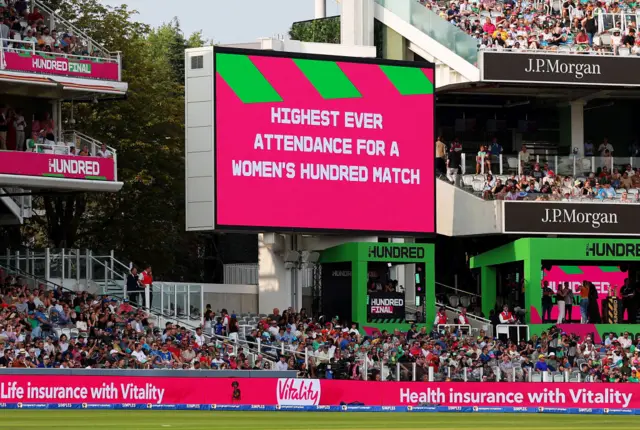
{"x": 146, "y": 278}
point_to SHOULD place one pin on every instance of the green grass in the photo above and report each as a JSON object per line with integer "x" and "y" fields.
{"x": 201, "y": 420}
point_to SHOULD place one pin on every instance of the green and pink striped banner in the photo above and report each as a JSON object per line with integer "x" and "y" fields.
{"x": 253, "y": 82}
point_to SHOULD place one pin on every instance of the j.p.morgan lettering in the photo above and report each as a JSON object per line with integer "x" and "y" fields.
{"x": 558, "y": 68}
{"x": 570, "y": 218}
{"x": 595, "y": 219}
{"x": 547, "y": 65}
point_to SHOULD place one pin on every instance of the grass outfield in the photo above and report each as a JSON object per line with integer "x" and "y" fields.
{"x": 197, "y": 420}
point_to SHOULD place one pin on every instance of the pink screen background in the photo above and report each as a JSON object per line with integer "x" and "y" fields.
{"x": 601, "y": 279}
{"x": 306, "y": 204}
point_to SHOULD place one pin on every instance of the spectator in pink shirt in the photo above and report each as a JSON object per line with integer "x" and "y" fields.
{"x": 488, "y": 26}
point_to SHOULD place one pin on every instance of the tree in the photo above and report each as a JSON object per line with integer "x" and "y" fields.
{"x": 324, "y": 30}
{"x": 145, "y": 220}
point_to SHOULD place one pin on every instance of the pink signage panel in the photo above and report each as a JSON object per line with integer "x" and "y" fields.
{"x": 57, "y": 166}
{"x": 170, "y": 390}
{"x": 322, "y": 151}
{"x": 57, "y": 65}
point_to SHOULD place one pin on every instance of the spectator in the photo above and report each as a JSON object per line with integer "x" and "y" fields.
{"x": 482, "y": 161}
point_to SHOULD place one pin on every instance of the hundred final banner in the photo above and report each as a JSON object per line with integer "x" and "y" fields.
{"x": 56, "y": 65}
{"x": 311, "y": 143}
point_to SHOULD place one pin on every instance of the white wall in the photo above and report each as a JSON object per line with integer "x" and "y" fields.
{"x": 473, "y": 216}
{"x": 199, "y": 151}
{"x": 318, "y": 48}
{"x": 274, "y": 281}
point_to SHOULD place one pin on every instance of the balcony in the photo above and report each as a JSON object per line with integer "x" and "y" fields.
{"x": 58, "y": 166}
{"x": 88, "y": 68}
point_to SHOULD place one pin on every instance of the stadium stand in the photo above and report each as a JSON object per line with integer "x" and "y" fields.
{"x": 550, "y": 25}
{"x": 590, "y": 178}
{"x": 26, "y": 27}
{"x": 41, "y": 328}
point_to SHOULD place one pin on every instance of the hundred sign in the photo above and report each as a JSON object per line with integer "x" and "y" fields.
{"x": 570, "y": 218}
{"x": 526, "y": 67}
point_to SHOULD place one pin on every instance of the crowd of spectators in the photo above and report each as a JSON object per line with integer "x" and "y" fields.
{"x": 562, "y": 25}
{"x": 23, "y": 28}
{"x": 537, "y": 180}
{"x": 15, "y": 136}
{"x": 337, "y": 351}
{"x": 62, "y": 329}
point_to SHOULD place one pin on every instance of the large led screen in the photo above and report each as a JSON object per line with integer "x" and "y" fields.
{"x": 311, "y": 143}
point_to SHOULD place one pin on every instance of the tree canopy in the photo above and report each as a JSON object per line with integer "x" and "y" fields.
{"x": 145, "y": 221}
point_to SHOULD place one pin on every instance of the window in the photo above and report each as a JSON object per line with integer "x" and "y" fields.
{"x": 197, "y": 62}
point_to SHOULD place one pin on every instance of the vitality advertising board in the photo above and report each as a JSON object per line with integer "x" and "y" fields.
{"x": 54, "y": 65}
{"x": 312, "y": 143}
{"x": 158, "y": 392}
{"x": 57, "y": 166}
{"x": 527, "y": 67}
{"x": 570, "y": 218}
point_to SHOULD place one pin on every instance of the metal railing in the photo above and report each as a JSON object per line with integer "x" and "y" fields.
{"x": 23, "y": 201}
{"x": 61, "y": 24}
{"x": 565, "y": 165}
{"x": 241, "y": 274}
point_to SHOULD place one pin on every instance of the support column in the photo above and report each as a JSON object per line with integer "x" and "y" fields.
{"x": 488, "y": 289}
{"x": 533, "y": 290}
{"x": 356, "y": 22}
{"x": 572, "y": 127}
{"x": 321, "y": 9}
{"x": 430, "y": 285}
{"x": 274, "y": 281}
{"x": 359, "y": 277}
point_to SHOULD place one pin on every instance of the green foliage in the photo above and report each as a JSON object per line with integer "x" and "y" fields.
{"x": 325, "y": 30}
{"x": 145, "y": 221}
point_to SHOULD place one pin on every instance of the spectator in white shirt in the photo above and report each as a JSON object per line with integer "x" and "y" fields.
{"x": 625, "y": 341}
{"x": 282, "y": 364}
{"x": 104, "y": 152}
{"x": 609, "y": 340}
{"x": 139, "y": 355}
{"x": 200, "y": 339}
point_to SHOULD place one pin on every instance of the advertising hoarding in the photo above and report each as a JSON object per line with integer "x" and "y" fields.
{"x": 56, "y": 65}
{"x": 562, "y": 69}
{"x": 57, "y": 166}
{"x": 570, "y": 218}
{"x": 315, "y": 143}
{"x": 151, "y": 392}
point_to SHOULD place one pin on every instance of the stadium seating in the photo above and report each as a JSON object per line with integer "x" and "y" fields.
{"x": 564, "y": 27}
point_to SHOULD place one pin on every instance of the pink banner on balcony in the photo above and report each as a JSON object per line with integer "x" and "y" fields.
{"x": 305, "y": 392}
{"x": 57, "y": 166}
{"x": 58, "y": 65}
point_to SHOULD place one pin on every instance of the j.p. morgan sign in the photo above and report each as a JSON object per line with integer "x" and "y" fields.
{"x": 559, "y": 69}
{"x": 571, "y": 218}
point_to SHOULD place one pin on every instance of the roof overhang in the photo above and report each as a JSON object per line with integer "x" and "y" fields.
{"x": 59, "y": 87}
{"x": 64, "y": 184}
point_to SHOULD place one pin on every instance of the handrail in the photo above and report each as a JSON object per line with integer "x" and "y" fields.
{"x": 470, "y": 316}
{"x": 570, "y": 51}
{"x": 78, "y": 137}
{"x": 458, "y": 290}
{"x": 58, "y": 19}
